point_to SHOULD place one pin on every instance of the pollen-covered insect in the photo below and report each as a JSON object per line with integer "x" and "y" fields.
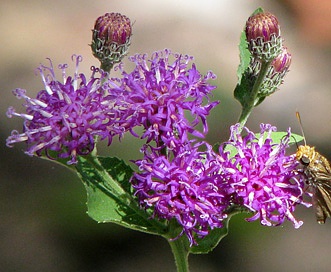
{"x": 318, "y": 172}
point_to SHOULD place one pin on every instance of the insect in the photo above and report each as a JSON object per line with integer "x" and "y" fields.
{"x": 318, "y": 172}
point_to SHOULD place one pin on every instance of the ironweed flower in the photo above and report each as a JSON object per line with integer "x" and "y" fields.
{"x": 65, "y": 117}
{"x": 262, "y": 178}
{"x": 184, "y": 186}
{"x": 160, "y": 92}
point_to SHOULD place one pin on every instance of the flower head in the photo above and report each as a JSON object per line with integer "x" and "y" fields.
{"x": 66, "y": 116}
{"x": 111, "y": 39}
{"x": 112, "y": 28}
{"x": 263, "y": 36}
{"x": 276, "y": 73}
{"x": 282, "y": 62}
{"x": 161, "y": 92}
{"x": 185, "y": 187}
{"x": 262, "y": 25}
{"x": 262, "y": 178}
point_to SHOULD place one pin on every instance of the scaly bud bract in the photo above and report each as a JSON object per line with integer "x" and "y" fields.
{"x": 263, "y": 36}
{"x": 111, "y": 39}
{"x": 276, "y": 73}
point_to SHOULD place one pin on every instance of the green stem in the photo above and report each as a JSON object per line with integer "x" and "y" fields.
{"x": 180, "y": 254}
{"x": 252, "y": 99}
{"x": 179, "y": 246}
{"x": 106, "y": 66}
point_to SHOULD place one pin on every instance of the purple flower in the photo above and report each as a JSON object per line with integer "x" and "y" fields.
{"x": 65, "y": 117}
{"x": 262, "y": 178}
{"x": 160, "y": 93}
{"x": 185, "y": 187}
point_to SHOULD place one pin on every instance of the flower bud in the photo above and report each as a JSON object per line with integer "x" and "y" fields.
{"x": 282, "y": 62}
{"x": 263, "y": 36}
{"x": 276, "y": 73}
{"x": 111, "y": 39}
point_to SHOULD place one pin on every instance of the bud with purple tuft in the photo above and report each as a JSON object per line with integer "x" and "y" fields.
{"x": 282, "y": 62}
{"x": 263, "y": 36}
{"x": 111, "y": 39}
{"x": 276, "y": 72}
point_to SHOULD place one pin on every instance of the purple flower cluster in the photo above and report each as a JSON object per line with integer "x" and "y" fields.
{"x": 64, "y": 119}
{"x": 159, "y": 94}
{"x": 199, "y": 188}
{"x": 262, "y": 178}
{"x": 178, "y": 179}
{"x": 184, "y": 186}
{"x": 168, "y": 97}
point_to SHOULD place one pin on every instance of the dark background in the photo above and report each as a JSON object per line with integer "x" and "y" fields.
{"x": 43, "y": 221}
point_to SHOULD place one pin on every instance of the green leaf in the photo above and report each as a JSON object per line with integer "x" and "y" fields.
{"x": 119, "y": 171}
{"x": 295, "y": 138}
{"x": 245, "y": 56}
{"x": 275, "y": 136}
{"x": 258, "y": 10}
{"x": 245, "y": 82}
{"x": 279, "y": 135}
{"x": 231, "y": 149}
{"x": 53, "y": 157}
{"x": 110, "y": 197}
{"x": 209, "y": 242}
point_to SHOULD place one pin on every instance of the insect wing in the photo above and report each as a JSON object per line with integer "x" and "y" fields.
{"x": 318, "y": 172}
{"x": 322, "y": 200}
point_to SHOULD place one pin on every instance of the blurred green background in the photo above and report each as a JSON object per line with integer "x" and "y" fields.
{"x": 43, "y": 223}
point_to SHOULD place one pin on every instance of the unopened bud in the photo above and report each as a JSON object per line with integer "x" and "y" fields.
{"x": 263, "y": 36}
{"x": 111, "y": 39}
{"x": 282, "y": 62}
{"x": 276, "y": 72}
